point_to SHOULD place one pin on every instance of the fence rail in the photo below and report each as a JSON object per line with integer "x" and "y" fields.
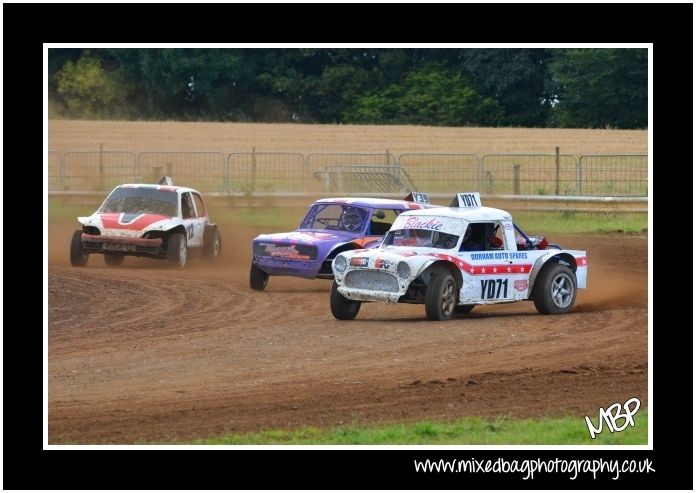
{"x": 265, "y": 172}
{"x": 599, "y": 175}
{"x": 201, "y": 170}
{"x": 443, "y": 172}
{"x": 354, "y": 172}
{"x": 530, "y": 174}
{"x": 611, "y": 174}
{"x": 97, "y": 170}
{"x": 56, "y": 173}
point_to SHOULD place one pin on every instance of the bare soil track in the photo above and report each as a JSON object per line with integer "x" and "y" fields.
{"x": 143, "y": 353}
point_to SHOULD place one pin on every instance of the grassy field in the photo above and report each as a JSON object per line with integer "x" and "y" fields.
{"x": 581, "y": 222}
{"x": 284, "y": 218}
{"x": 469, "y": 431}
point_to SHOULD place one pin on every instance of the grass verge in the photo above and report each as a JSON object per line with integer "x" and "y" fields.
{"x": 569, "y": 430}
{"x": 570, "y": 222}
{"x": 286, "y": 218}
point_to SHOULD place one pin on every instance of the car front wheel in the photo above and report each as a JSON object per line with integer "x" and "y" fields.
{"x": 177, "y": 250}
{"x": 341, "y": 307}
{"x": 257, "y": 278}
{"x": 441, "y": 297}
{"x": 78, "y": 256}
{"x": 555, "y": 290}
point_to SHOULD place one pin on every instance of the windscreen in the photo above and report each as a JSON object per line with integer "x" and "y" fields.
{"x": 421, "y": 238}
{"x": 423, "y": 231}
{"x": 141, "y": 201}
{"x": 339, "y": 217}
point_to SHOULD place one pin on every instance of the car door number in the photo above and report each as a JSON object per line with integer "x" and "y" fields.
{"x": 493, "y": 288}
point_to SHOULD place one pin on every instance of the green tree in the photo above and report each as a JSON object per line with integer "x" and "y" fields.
{"x": 186, "y": 83}
{"x": 515, "y": 78}
{"x": 432, "y": 86}
{"x": 57, "y": 57}
{"x": 431, "y": 95}
{"x": 316, "y": 84}
{"x": 601, "y": 87}
{"x": 88, "y": 90}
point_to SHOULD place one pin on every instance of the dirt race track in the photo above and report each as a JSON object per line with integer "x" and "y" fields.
{"x": 143, "y": 353}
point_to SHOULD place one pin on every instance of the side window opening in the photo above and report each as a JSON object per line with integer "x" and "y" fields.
{"x": 496, "y": 238}
{"x": 483, "y": 236}
{"x": 186, "y": 206}
{"x": 381, "y": 221}
{"x": 200, "y": 206}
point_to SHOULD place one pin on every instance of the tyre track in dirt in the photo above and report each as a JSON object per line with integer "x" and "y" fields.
{"x": 145, "y": 353}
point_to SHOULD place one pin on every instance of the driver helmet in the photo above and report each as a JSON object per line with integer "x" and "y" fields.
{"x": 351, "y": 219}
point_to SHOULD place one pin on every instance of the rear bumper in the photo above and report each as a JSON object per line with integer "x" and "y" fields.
{"x": 123, "y": 245}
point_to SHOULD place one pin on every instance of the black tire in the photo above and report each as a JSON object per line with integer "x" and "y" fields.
{"x": 78, "y": 256}
{"x": 463, "y": 309}
{"x": 341, "y": 307}
{"x": 213, "y": 246}
{"x": 555, "y": 289}
{"x": 177, "y": 250}
{"x": 257, "y": 278}
{"x": 113, "y": 259}
{"x": 441, "y": 297}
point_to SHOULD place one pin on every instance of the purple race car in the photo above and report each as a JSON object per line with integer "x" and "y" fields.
{"x": 330, "y": 227}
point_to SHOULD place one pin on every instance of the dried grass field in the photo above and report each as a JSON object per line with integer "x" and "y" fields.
{"x": 70, "y": 135}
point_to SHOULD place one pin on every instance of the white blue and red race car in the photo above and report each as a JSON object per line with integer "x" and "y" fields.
{"x": 158, "y": 221}
{"x": 330, "y": 226}
{"x": 452, "y": 259}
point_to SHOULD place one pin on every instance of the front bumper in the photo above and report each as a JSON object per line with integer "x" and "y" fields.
{"x": 372, "y": 285}
{"x": 356, "y": 294}
{"x": 123, "y": 245}
{"x": 276, "y": 266}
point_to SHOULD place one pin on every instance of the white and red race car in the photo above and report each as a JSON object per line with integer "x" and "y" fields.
{"x": 452, "y": 259}
{"x": 158, "y": 221}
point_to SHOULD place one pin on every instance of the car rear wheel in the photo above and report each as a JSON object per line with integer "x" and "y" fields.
{"x": 113, "y": 259}
{"x": 213, "y": 245}
{"x": 78, "y": 256}
{"x": 257, "y": 278}
{"x": 341, "y": 307}
{"x": 441, "y": 297}
{"x": 555, "y": 289}
{"x": 177, "y": 250}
